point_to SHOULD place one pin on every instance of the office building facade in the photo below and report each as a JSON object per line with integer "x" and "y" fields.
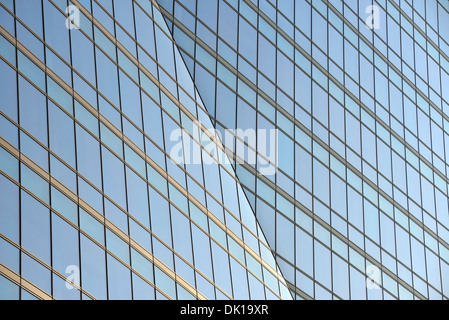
{"x": 224, "y": 149}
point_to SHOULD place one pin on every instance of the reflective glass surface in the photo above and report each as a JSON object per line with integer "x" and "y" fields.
{"x": 134, "y": 161}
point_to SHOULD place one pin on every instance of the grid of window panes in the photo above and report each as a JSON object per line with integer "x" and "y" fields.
{"x": 87, "y": 184}
{"x": 363, "y": 115}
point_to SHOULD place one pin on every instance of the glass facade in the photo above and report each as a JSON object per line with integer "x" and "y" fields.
{"x": 117, "y": 180}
